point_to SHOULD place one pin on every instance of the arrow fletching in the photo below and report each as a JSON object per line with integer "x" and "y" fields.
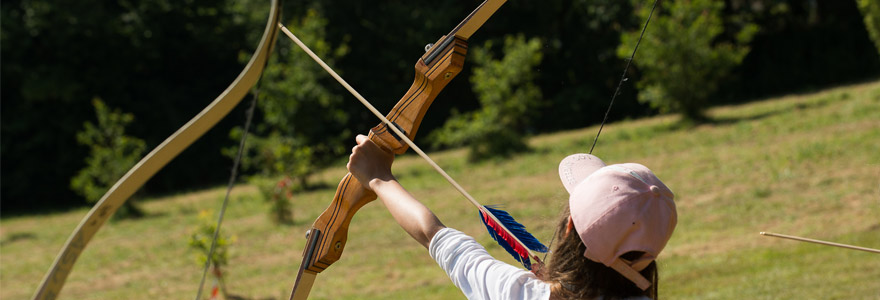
{"x": 517, "y": 250}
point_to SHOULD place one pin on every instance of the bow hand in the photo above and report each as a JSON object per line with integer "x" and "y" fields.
{"x": 368, "y": 162}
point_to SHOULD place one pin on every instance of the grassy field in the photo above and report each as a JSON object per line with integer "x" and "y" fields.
{"x": 806, "y": 164}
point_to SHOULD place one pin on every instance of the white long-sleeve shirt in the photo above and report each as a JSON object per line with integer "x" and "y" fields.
{"x": 480, "y": 276}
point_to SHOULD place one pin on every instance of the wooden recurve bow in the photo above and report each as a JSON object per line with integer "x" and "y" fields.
{"x": 156, "y": 159}
{"x": 442, "y": 61}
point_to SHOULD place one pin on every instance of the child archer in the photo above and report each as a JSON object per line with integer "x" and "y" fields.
{"x": 618, "y": 220}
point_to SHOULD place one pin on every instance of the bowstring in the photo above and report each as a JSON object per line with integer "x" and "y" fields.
{"x": 232, "y": 177}
{"x": 233, "y": 173}
{"x": 614, "y": 96}
{"x": 623, "y": 76}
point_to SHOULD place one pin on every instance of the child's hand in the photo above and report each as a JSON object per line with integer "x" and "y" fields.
{"x": 368, "y": 161}
{"x": 538, "y": 268}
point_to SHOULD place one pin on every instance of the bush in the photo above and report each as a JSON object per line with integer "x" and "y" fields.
{"x": 507, "y": 95}
{"x": 278, "y": 193}
{"x": 683, "y": 58}
{"x": 200, "y": 240}
{"x": 111, "y": 155}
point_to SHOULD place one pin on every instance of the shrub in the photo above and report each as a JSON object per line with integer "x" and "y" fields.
{"x": 201, "y": 238}
{"x": 508, "y": 95}
{"x": 111, "y": 155}
{"x": 278, "y": 193}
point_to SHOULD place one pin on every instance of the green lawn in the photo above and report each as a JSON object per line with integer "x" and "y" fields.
{"x": 806, "y": 164}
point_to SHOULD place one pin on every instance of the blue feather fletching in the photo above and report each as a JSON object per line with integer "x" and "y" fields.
{"x": 508, "y": 243}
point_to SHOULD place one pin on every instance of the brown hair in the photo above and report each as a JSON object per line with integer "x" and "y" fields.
{"x": 573, "y": 276}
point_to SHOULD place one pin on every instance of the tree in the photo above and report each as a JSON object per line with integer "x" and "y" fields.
{"x": 871, "y": 11}
{"x": 111, "y": 154}
{"x": 299, "y": 108}
{"x": 683, "y": 56}
{"x": 508, "y": 96}
{"x": 162, "y": 61}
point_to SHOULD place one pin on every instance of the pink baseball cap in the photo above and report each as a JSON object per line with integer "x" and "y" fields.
{"x": 617, "y": 209}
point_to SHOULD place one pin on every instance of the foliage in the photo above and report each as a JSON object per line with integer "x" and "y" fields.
{"x": 111, "y": 155}
{"x": 871, "y": 10}
{"x": 302, "y": 127}
{"x": 201, "y": 238}
{"x": 164, "y": 61}
{"x": 508, "y": 96}
{"x": 802, "y": 164}
{"x": 802, "y": 45}
{"x": 278, "y": 194}
{"x": 682, "y": 58}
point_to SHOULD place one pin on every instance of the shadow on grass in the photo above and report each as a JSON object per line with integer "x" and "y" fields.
{"x": 294, "y": 222}
{"x": 808, "y": 104}
{"x": 317, "y": 186}
{"x": 237, "y": 297}
{"x": 17, "y": 236}
{"x": 141, "y": 216}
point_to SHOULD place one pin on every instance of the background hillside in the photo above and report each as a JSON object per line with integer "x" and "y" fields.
{"x": 804, "y": 164}
{"x": 163, "y": 61}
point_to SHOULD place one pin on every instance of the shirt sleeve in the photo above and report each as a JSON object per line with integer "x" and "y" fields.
{"x": 480, "y": 276}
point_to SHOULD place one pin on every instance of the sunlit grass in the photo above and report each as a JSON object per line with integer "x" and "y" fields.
{"x": 803, "y": 164}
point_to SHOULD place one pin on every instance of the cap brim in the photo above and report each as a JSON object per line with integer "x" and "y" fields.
{"x": 576, "y": 167}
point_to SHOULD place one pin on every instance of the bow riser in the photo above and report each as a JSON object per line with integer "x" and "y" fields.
{"x": 434, "y": 70}
{"x": 430, "y": 79}
{"x": 407, "y": 114}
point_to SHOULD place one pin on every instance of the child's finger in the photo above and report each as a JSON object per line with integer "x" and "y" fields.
{"x": 360, "y": 138}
